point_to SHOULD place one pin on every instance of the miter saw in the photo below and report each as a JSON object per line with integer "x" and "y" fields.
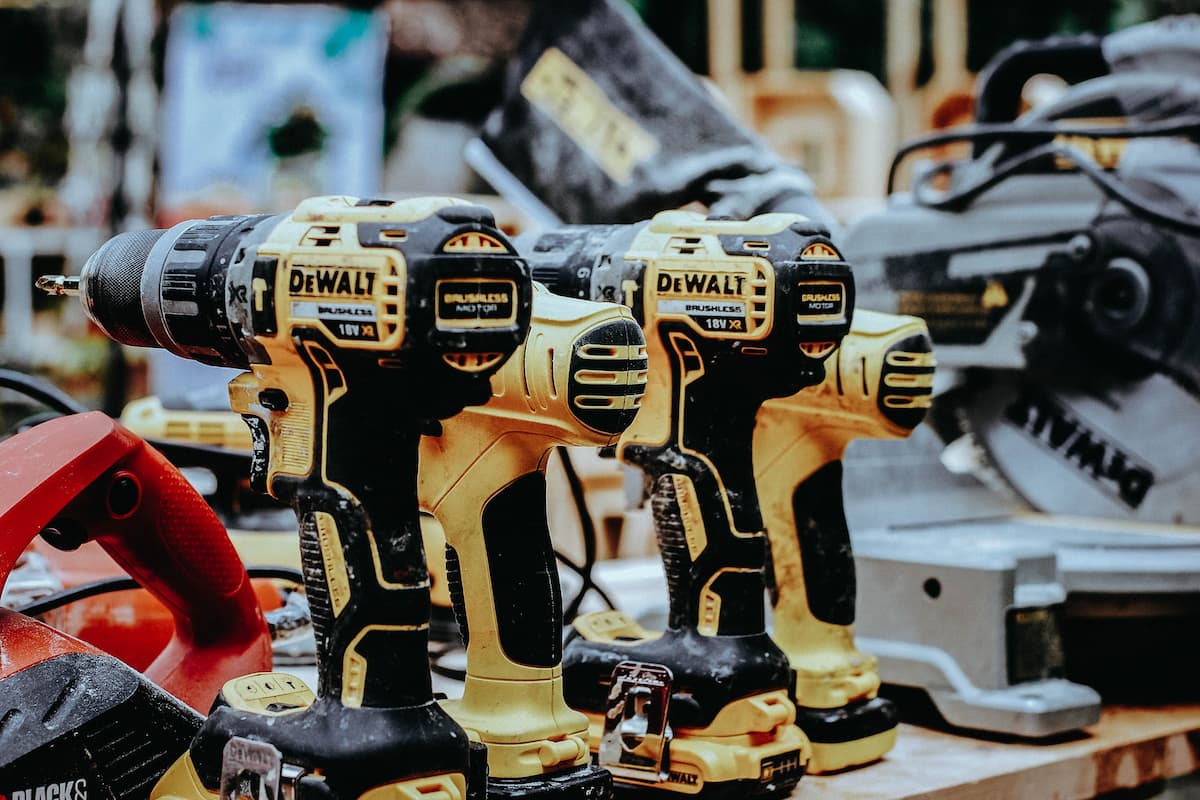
{"x": 1058, "y": 269}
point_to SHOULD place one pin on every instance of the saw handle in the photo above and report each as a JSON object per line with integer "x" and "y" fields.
{"x": 86, "y": 477}
{"x": 1073, "y": 58}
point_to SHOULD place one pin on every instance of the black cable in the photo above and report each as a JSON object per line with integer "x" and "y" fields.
{"x": 437, "y": 667}
{"x": 589, "y": 542}
{"x": 1001, "y": 131}
{"x": 108, "y": 585}
{"x": 43, "y": 392}
{"x": 578, "y": 570}
{"x": 1138, "y": 203}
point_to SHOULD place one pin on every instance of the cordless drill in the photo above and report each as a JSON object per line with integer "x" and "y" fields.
{"x": 359, "y": 324}
{"x": 735, "y": 312}
{"x": 578, "y": 380}
{"x": 877, "y": 385}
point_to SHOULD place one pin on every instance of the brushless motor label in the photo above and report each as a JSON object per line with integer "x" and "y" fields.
{"x": 709, "y": 316}
{"x": 475, "y": 303}
{"x": 816, "y": 301}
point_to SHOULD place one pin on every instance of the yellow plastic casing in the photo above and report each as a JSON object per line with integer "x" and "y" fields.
{"x": 793, "y": 438}
{"x": 147, "y": 418}
{"x": 516, "y": 709}
{"x": 180, "y": 782}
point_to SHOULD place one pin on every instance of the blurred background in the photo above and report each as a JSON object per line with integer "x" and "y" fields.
{"x": 120, "y": 114}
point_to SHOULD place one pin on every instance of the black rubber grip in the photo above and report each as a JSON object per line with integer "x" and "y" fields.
{"x": 371, "y": 613}
{"x": 672, "y": 546}
{"x": 458, "y": 600}
{"x": 520, "y": 555}
{"x": 1072, "y": 58}
{"x": 825, "y": 552}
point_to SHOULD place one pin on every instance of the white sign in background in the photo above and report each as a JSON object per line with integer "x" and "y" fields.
{"x": 234, "y": 71}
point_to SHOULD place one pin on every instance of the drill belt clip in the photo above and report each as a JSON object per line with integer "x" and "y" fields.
{"x": 252, "y": 770}
{"x": 637, "y": 737}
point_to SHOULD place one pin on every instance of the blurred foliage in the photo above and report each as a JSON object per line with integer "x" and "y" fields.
{"x": 38, "y": 47}
{"x": 300, "y": 133}
{"x": 994, "y": 26}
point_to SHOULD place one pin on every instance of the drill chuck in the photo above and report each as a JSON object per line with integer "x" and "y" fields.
{"x": 563, "y": 259}
{"x": 167, "y": 288}
{"x": 111, "y": 287}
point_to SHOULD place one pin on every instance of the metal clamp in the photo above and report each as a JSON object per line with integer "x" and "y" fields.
{"x": 250, "y": 770}
{"x": 253, "y": 770}
{"x": 637, "y": 737}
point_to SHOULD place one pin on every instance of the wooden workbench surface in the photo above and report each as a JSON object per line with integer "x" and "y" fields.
{"x": 1128, "y": 747}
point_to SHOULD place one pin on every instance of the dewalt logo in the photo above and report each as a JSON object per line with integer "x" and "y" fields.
{"x": 685, "y": 778}
{"x": 304, "y": 281}
{"x": 700, "y": 284}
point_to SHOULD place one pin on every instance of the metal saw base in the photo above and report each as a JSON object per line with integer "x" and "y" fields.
{"x": 991, "y": 617}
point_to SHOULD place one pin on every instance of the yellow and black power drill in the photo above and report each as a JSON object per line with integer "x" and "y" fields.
{"x": 359, "y": 324}
{"x": 877, "y": 385}
{"x": 578, "y": 380}
{"x": 735, "y": 313}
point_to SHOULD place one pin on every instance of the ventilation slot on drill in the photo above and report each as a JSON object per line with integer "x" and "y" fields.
{"x": 608, "y": 377}
{"x": 472, "y": 362}
{"x": 759, "y": 285}
{"x": 322, "y": 236}
{"x": 817, "y": 349}
{"x": 686, "y": 246}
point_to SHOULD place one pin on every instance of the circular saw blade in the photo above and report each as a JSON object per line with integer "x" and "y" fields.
{"x": 1132, "y": 453}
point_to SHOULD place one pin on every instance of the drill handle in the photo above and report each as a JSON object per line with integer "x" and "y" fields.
{"x": 810, "y": 546}
{"x": 342, "y": 449}
{"x": 511, "y": 617}
{"x": 703, "y": 498}
{"x": 88, "y": 477}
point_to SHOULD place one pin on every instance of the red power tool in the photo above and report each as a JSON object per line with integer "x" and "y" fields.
{"x": 69, "y": 713}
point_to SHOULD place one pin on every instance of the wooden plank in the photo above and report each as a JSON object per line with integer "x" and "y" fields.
{"x": 1129, "y": 747}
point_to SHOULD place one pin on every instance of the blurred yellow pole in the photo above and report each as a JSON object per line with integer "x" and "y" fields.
{"x": 949, "y": 46}
{"x": 725, "y": 48}
{"x": 779, "y": 35}
{"x": 902, "y": 52}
